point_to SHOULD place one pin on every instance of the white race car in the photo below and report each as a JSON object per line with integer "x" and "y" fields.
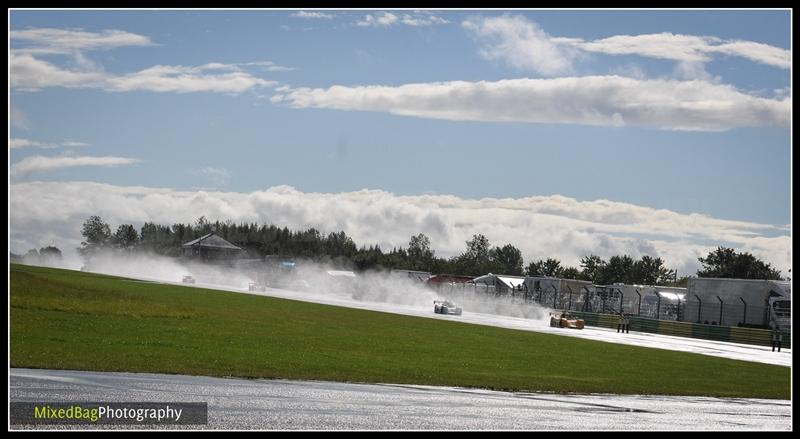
{"x": 446, "y": 307}
{"x": 188, "y": 279}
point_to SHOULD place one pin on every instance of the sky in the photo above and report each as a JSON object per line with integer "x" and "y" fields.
{"x": 565, "y": 133}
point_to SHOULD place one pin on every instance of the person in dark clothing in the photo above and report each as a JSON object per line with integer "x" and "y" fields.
{"x": 777, "y": 338}
{"x": 627, "y": 325}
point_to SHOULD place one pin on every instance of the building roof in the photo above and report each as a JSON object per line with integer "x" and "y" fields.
{"x": 211, "y": 241}
{"x": 443, "y": 278}
{"x": 508, "y": 281}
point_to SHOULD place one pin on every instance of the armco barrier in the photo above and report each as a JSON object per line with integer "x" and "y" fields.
{"x": 644, "y": 324}
{"x": 711, "y": 332}
{"x": 608, "y": 321}
{"x": 732, "y": 334}
{"x": 679, "y": 329}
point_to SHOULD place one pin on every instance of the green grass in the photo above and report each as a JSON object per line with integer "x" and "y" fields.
{"x": 72, "y": 320}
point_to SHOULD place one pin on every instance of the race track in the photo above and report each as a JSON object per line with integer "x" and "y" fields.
{"x": 304, "y": 405}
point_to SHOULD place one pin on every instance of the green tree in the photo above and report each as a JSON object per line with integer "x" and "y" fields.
{"x": 591, "y": 267}
{"x": 478, "y": 248}
{"x": 420, "y": 252}
{"x": 507, "y": 259}
{"x": 725, "y": 262}
{"x": 550, "y": 267}
{"x": 650, "y": 271}
{"x": 618, "y": 269}
{"x": 570, "y": 273}
{"x": 126, "y": 237}
{"x": 96, "y": 234}
{"x": 50, "y": 252}
{"x": 476, "y": 259}
{"x": 50, "y": 255}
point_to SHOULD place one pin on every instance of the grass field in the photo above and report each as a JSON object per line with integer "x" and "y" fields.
{"x": 64, "y": 319}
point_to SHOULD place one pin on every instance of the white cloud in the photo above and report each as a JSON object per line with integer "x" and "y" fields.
{"x": 590, "y": 100}
{"x": 520, "y": 43}
{"x": 758, "y": 52}
{"x": 388, "y": 19}
{"x": 43, "y": 164}
{"x": 664, "y": 45}
{"x": 686, "y": 48}
{"x": 313, "y": 15}
{"x": 18, "y": 143}
{"x": 690, "y": 70}
{"x": 31, "y": 74}
{"x": 182, "y": 79}
{"x": 25, "y": 143}
{"x": 72, "y": 144}
{"x": 548, "y": 226}
{"x": 64, "y": 41}
{"x": 524, "y": 45}
{"x": 421, "y": 20}
{"x": 268, "y": 66}
{"x": 384, "y": 19}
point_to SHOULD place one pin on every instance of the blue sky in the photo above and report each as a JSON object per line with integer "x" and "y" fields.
{"x": 291, "y": 125}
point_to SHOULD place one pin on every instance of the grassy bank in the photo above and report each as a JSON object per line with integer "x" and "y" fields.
{"x": 64, "y": 319}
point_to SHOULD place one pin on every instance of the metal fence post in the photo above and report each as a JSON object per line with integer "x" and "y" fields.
{"x": 569, "y": 305}
{"x": 699, "y": 307}
{"x": 586, "y": 306}
{"x": 721, "y": 305}
{"x": 639, "y": 308}
{"x": 555, "y": 295}
{"x": 658, "y": 306}
{"x": 745, "y": 310}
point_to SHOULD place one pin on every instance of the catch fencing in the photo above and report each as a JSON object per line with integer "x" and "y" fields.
{"x": 738, "y": 322}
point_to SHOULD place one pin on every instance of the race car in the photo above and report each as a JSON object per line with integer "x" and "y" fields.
{"x": 188, "y": 279}
{"x": 565, "y": 320}
{"x": 446, "y": 307}
{"x": 256, "y": 287}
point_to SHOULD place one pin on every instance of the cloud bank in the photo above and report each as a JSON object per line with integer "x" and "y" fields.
{"x": 541, "y": 227}
{"x": 589, "y": 100}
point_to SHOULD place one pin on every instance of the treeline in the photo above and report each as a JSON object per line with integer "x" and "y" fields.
{"x": 479, "y": 256}
{"x": 49, "y": 256}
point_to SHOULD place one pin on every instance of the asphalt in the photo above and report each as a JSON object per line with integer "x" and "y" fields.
{"x": 238, "y": 404}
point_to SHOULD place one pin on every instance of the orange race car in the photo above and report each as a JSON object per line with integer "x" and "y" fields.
{"x": 565, "y": 320}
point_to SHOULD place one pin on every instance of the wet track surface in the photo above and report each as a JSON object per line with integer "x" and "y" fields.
{"x": 315, "y": 405}
{"x": 760, "y": 354}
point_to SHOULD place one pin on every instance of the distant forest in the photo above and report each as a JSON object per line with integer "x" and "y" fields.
{"x": 479, "y": 256}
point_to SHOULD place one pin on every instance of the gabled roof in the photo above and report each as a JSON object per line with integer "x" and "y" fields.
{"x": 507, "y": 281}
{"x": 211, "y": 241}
